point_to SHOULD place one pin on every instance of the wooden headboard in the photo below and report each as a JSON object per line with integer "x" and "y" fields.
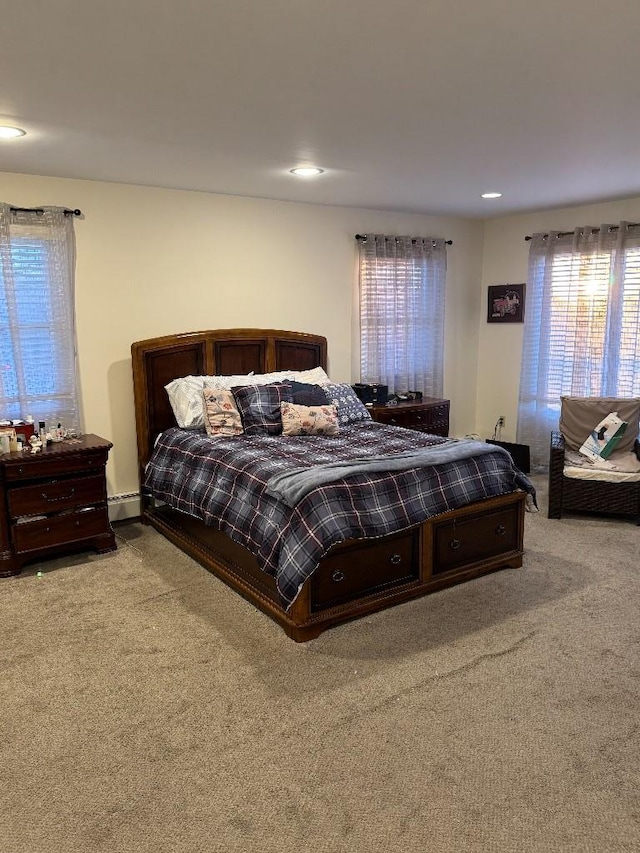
{"x": 157, "y": 361}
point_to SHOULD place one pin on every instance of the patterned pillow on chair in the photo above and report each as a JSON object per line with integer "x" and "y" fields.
{"x": 579, "y": 415}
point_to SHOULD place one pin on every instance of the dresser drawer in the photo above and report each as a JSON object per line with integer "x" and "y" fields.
{"x": 437, "y": 415}
{"x": 60, "y": 530}
{"x": 473, "y": 538}
{"x": 428, "y": 416}
{"x": 348, "y": 574}
{"x": 41, "y": 466}
{"x": 56, "y": 495}
{"x": 396, "y": 417}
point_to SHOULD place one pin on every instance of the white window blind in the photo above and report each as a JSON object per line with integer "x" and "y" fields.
{"x": 402, "y": 299}
{"x": 37, "y": 317}
{"x": 582, "y": 327}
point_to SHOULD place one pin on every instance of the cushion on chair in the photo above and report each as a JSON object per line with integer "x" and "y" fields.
{"x": 579, "y": 415}
{"x": 621, "y": 467}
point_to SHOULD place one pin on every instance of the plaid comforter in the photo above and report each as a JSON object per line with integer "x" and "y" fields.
{"x": 223, "y": 481}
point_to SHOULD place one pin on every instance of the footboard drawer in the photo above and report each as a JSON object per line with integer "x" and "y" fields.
{"x": 352, "y": 572}
{"x": 461, "y": 542}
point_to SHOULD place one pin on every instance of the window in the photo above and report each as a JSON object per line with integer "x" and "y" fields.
{"x": 402, "y": 286}
{"x": 37, "y": 322}
{"x": 582, "y": 328}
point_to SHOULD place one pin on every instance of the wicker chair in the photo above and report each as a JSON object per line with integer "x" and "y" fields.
{"x": 569, "y": 494}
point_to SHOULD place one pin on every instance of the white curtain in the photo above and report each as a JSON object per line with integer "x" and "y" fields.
{"x": 582, "y": 325}
{"x": 37, "y": 316}
{"x": 402, "y": 300}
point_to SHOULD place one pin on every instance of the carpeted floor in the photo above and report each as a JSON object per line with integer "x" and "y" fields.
{"x": 146, "y": 707}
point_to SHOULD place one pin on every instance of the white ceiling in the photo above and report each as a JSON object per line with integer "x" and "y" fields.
{"x": 410, "y": 105}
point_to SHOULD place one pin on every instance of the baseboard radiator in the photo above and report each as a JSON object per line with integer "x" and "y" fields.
{"x": 124, "y": 506}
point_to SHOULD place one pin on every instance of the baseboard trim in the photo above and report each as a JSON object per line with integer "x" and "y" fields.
{"x": 124, "y": 506}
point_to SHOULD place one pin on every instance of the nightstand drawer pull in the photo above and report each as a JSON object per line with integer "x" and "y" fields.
{"x": 395, "y": 559}
{"x": 60, "y": 497}
{"x": 337, "y": 576}
{"x": 501, "y": 530}
{"x": 455, "y": 544}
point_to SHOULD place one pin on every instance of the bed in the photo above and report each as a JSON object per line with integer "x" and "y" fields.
{"x": 351, "y": 573}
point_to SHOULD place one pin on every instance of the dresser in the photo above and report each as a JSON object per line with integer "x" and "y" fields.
{"x": 431, "y": 414}
{"x": 54, "y": 501}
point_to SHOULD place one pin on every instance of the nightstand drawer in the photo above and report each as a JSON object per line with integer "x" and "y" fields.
{"x": 56, "y": 495}
{"x": 60, "y": 530}
{"x": 430, "y": 415}
{"x": 396, "y": 417}
{"x": 64, "y": 463}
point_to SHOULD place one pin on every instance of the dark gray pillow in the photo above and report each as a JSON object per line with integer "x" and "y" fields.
{"x": 305, "y": 394}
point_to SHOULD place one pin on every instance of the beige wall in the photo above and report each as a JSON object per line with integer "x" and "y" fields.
{"x": 505, "y": 256}
{"x": 152, "y": 261}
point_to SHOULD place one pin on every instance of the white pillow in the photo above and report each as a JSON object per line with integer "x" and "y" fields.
{"x": 187, "y": 402}
{"x": 315, "y": 376}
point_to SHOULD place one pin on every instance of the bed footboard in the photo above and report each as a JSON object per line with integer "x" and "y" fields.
{"x": 361, "y": 577}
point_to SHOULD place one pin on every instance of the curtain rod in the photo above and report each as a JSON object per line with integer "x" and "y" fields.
{"x": 364, "y": 237}
{"x": 67, "y": 212}
{"x": 593, "y": 230}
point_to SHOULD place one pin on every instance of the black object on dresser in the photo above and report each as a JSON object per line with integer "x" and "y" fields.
{"x": 371, "y": 393}
{"x": 431, "y": 414}
{"x": 53, "y": 502}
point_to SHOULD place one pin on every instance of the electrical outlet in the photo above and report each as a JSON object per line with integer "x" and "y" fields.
{"x": 501, "y": 421}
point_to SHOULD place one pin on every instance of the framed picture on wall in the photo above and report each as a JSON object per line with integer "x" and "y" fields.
{"x": 506, "y": 303}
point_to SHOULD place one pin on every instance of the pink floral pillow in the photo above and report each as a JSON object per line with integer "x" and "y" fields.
{"x": 309, "y": 420}
{"x": 221, "y": 416}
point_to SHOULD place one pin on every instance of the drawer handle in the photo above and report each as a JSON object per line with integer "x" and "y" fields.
{"x": 393, "y": 421}
{"x": 501, "y": 530}
{"x": 455, "y": 544}
{"x": 60, "y": 498}
{"x": 395, "y": 559}
{"x": 337, "y": 576}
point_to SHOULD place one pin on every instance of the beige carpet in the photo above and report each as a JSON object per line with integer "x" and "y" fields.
{"x": 145, "y": 707}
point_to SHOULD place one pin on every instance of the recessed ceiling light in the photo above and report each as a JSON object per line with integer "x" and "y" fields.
{"x": 306, "y": 171}
{"x": 491, "y": 195}
{"x": 7, "y": 132}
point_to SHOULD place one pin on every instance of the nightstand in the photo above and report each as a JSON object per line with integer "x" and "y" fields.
{"x": 431, "y": 414}
{"x": 53, "y": 502}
